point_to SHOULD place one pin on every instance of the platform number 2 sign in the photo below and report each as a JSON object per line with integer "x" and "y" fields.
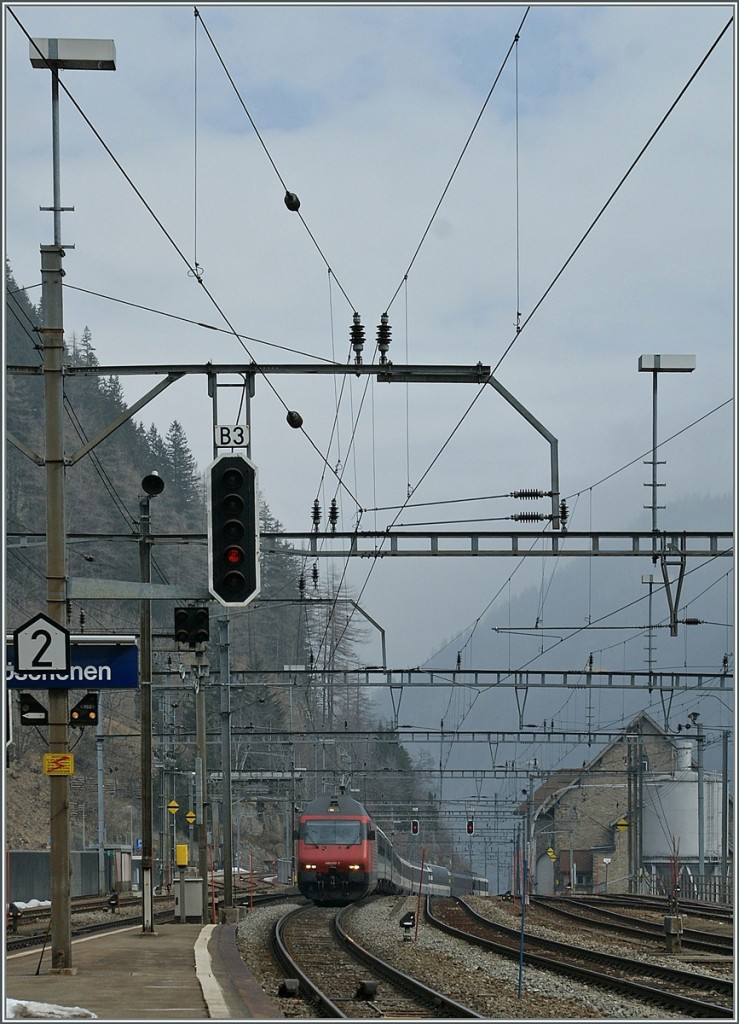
{"x": 41, "y": 645}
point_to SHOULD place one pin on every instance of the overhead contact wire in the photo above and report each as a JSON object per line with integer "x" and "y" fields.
{"x": 192, "y": 270}
{"x": 459, "y": 161}
{"x": 199, "y": 16}
{"x": 569, "y": 259}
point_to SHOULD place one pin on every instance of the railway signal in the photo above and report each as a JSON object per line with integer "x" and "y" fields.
{"x": 233, "y": 530}
{"x": 85, "y": 711}
{"x": 32, "y": 711}
{"x": 470, "y": 826}
{"x": 191, "y": 625}
{"x": 414, "y": 827}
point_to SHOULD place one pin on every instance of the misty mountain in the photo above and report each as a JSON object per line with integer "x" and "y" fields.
{"x": 587, "y": 611}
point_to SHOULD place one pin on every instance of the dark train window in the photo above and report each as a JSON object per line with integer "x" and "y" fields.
{"x": 332, "y": 833}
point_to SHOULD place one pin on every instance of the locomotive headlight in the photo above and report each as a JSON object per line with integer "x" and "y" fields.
{"x": 355, "y": 867}
{"x": 310, "y": 867}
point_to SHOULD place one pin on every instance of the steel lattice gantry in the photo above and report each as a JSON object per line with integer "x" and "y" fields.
{"x": 492, "y": 677}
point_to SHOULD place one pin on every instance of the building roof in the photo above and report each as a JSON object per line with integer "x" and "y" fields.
{"x": 555, "y": 785}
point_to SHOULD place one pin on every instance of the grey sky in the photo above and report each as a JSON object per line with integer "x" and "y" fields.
{"x": 365, "y": 111}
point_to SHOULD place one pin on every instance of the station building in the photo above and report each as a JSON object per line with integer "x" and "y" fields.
{"x": 629, "y": 821}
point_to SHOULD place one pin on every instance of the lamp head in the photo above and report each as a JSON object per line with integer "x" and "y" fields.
{"x": 153, "y": 484}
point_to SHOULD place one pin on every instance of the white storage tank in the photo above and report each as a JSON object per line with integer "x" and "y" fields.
{"x": 670, "y": 813}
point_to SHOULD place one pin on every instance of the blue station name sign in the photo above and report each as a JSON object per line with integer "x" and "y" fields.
{"x": 96, "y": 663}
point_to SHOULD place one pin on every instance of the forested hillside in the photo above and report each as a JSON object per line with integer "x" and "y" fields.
{"x": 293, "y": 623}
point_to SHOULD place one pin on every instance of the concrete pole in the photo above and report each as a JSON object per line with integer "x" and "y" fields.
{"x": 56, "y": 587}
{"x": 101, "y": 797}
{"x": 225, "y": 674}
{"x": 701, "y": 819}
{"x": 725, "y": 814}
{"x": 201, "y": 768}
{"x": 655, "y": 375}
{"x": 147, "y": 810}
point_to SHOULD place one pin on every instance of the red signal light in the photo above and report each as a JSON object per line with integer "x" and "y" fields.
{"x": 233, "y": 530}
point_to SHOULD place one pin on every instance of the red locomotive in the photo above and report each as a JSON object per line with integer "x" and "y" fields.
{"x": 343, "y": 856}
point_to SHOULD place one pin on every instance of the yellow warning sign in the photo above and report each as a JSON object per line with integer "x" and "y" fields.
{"x": 58, "y": 764}
{"x": 191, "y": 817}
{"x": 622, "y": 824}
{"x": 551, "y": 854}
{"x": 173, "y": 807}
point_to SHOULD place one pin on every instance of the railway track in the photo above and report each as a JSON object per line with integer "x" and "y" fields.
{"x": 661, "y": 987}
{"x": 23, "y": 940}
{"x": 341, "y": 979}
{"x": 599, "y": 916}
{"x": 660, "y": 905}
{"x": 83, "y": 905}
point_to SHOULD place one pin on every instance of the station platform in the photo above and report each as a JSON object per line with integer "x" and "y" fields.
{"x": 178, "y": 972}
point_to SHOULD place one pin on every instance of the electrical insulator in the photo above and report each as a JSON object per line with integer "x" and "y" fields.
{"x": 528, "y": 493}
{"x": 316, "y": 514}
{"x": 314, "y": 575}
{"x": 528, "y": 517}
{"x": 692, "y": 622}
{"x": 333, "y": 515}
{"x": 301, "y": 584}
{"x": 357, "y": 336}
{"x": 311, "y": 659}
{"x": 383, "y": 338}
{"x": 564, "y": 512}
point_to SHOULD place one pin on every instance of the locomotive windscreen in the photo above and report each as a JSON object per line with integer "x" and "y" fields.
{"x": 332, "y": 833}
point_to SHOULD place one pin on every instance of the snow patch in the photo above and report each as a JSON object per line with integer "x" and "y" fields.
{"x": 24, "y": 1009}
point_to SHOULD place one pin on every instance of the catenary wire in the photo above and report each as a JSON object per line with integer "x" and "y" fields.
{"x": 267, "y": 152}
{"x": 569, "y": 259}
{"x": 459, "y": 160}
{"x": 199, "y": 323}
{"x": 191, "y": 270}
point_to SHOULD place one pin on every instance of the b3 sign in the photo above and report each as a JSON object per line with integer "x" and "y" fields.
{"x": 96, "y": 663}
{"x": 231, "y": 436}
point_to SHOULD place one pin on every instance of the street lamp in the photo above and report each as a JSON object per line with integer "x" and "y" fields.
{"x": 151, "y": 485}
{"x": 56, "y": 55}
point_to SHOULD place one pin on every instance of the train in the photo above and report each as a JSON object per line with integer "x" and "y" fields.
{"x": 342, "y": 856}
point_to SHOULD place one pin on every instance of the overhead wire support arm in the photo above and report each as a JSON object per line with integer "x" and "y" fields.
{"x": 124, "y": 417}
{"x": 553, "y": 444}
{"x": 386, "y": 372}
